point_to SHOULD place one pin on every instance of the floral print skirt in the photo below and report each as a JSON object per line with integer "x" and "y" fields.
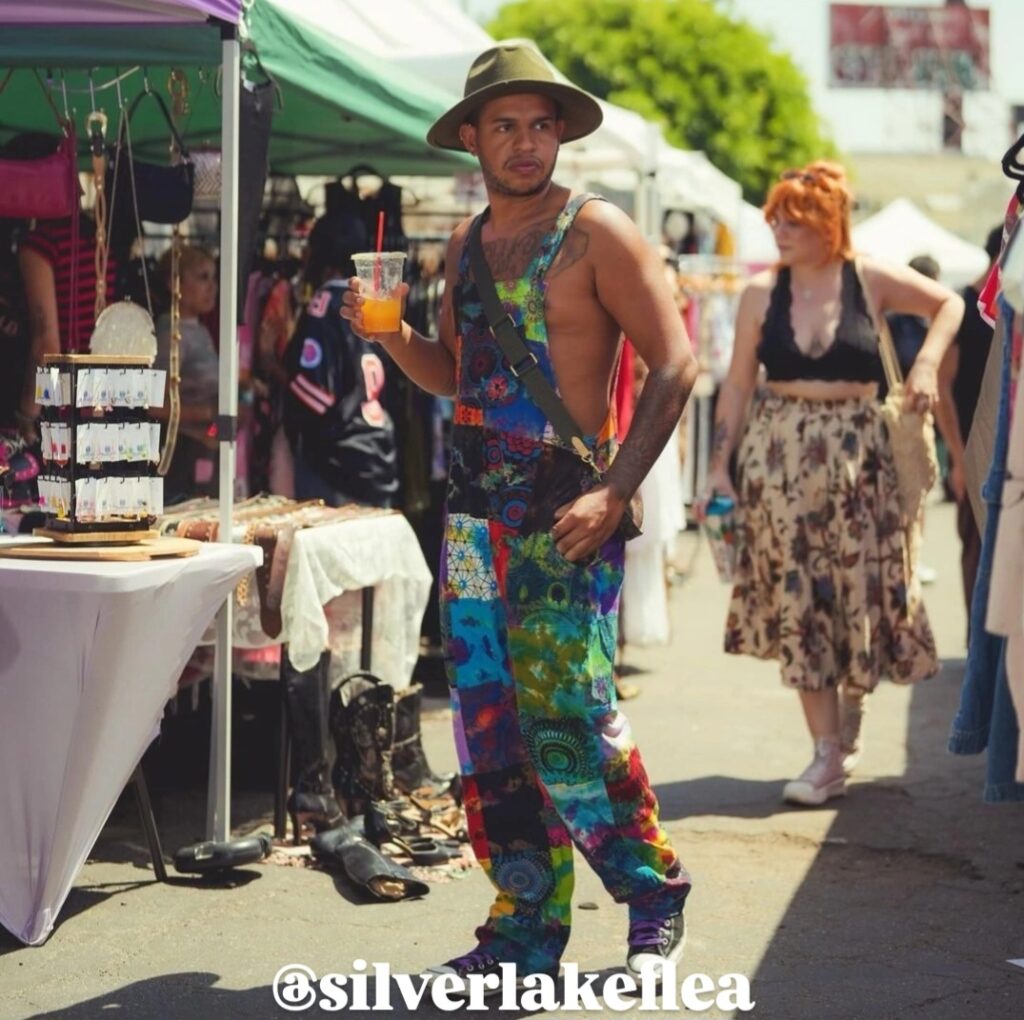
{"x": 822, "y": 579}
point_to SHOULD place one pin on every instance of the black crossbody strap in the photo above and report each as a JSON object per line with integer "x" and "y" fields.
{"x": 521, "y": 360}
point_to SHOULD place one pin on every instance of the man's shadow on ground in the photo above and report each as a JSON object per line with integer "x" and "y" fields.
{"x": 185, "y": 996}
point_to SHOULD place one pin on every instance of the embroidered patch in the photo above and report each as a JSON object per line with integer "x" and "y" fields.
{"x": 312, "y": 353}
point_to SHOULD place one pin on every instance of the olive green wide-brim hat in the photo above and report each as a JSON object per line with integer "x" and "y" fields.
{"x": 511, "y": 69}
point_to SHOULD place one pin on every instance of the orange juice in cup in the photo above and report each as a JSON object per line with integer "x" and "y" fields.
{"x": 381, "y": 276}
{"x": 382, "y": 315}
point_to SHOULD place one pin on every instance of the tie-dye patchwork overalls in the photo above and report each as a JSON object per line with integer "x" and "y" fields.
{"x": 547, "y": 760}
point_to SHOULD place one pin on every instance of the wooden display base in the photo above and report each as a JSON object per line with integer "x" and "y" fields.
{"x": 150, "y": 549}
{"x": 87, "y": 360}
{"x": 97, "y": 538}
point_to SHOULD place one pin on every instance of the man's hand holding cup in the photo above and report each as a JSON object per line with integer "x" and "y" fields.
{"x": 375, "y": 299}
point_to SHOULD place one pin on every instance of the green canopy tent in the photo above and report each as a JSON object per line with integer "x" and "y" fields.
{"x": 337, "y": 108}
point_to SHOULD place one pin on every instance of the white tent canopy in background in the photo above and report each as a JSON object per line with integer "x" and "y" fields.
{"x": 755, "y": 241}
{"x": 438, "y": 41}
{"x": 901, "y": 231}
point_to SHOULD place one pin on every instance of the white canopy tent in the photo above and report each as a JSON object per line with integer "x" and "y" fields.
{"x": 901, "y": 231}
{"x": 437, "y": 41}
{"x": 755, "y": 242}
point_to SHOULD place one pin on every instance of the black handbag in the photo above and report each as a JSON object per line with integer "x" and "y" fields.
{"x": 160, "y": 193}
{"x": 566, "y": 471}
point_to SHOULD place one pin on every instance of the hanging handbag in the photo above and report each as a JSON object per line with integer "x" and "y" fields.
{"x": 45, "y": 188}
{"x": 911, "y": 434}
{"x": 162, "y": 193}
{"x": 207, "y": 163}
{"x": 567, "y": 471}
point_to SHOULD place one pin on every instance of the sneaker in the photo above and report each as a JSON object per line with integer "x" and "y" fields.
{"x": 652, "y": 943}
{"x": 477, "y": 961}
{"x": 822, "y": 779}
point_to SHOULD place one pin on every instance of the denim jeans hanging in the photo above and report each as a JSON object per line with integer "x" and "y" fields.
{"x": 986, "y": 717}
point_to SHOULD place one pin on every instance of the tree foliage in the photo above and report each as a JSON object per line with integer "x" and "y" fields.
{"x": 713, "y": 82}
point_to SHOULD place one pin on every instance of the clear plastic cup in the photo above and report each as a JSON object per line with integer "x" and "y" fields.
{"x": 720, "y": 528}
{"x": 381, "y": 276}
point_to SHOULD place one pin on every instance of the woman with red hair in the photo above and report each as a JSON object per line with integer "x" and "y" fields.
{"x": 822, "y": 578}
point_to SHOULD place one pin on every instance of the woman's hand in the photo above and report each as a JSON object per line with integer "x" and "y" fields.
{"x": 718, "y": 484}
{"x": 921, "y": 392}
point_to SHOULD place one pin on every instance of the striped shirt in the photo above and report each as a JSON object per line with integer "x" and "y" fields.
{"x": 52, "y": 240}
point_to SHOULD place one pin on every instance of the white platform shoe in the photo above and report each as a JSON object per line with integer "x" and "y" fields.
{"x": 823, "y": 779}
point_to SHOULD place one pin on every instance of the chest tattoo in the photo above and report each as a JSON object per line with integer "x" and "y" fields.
{"x": 510, "y": 257}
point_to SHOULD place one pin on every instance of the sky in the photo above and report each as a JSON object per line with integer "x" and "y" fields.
{"x": 885, "y": 121}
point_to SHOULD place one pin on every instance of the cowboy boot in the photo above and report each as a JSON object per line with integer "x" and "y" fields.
{"x": 412, "y": 771}
{"x": 311, "y": 804}
{"x": 362, "y": 724}
{"x": 366, "y": 867}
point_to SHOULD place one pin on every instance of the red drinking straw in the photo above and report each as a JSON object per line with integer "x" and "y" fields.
{"x": 380, "y": 248}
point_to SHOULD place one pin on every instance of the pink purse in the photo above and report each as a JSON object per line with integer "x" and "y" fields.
{"x": 44, "y": 188}
{"x": 41, "y": 189}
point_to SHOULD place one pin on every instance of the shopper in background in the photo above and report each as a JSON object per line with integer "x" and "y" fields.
{"x": 20, "y": 460}
{"x": 909, "y": 331}
{"x": 960, "y": 377}
{"x": 343, "y": 449}
{"x": 822, "y": 581}
{"x": 58, "y": 271}
{"x": 342, "y": 439}
{"x": 193, "y": 466}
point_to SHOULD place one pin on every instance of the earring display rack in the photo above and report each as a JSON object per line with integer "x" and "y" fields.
{"x": 100, "y": 446}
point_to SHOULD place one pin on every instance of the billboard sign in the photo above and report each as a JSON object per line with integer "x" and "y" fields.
{"x": 881, "y": 46}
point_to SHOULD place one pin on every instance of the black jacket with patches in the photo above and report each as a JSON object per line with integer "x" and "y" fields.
{"x": 332, "y": 412}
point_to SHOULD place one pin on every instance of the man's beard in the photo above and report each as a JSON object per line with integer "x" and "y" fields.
{"x": 499, "y": 186}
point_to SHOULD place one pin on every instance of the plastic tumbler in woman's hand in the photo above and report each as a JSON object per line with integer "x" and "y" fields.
{"x": 718, "y": 484}
{"x": 720, "y": 528}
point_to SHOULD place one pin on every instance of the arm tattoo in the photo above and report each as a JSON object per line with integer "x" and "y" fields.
{"x": 719, "y": 440}
{"x": 657, "y": 412}
{"x": 574, "y": 247}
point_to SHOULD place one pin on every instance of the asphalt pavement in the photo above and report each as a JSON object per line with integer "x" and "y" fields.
{"x": 902, "y": 901}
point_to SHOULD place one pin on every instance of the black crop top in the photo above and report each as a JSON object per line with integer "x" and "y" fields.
{"x": 851, "y": 357}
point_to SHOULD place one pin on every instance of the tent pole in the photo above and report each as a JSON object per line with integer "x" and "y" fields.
{"x": 649, "y": 214}
{"x": 218, "y": 810}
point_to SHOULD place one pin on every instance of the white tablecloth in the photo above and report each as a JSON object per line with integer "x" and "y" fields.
{"x": 321, "y": 602}
{"x": 89, "y": 655}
